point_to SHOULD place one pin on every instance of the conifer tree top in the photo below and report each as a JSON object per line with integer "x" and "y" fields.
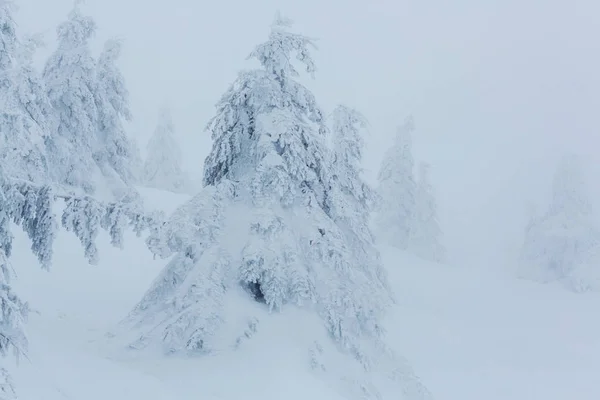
{"x": 262, "y": 99}
{"x": 275, "y": 54}
{"x": 77, "y": 29}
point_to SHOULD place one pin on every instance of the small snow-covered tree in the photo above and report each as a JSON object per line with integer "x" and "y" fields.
{"x": 265, "y": 228}
{"x": 116, "y": 152}
{"x": 558, "y": 242}
{"x": 162, "y": 168}
{"x": 70, "y": 76}
{"x": 426, "y": 234}
{"x": 397, "y": 190}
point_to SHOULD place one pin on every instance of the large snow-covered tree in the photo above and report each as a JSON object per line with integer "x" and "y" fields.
{"x": 397, "y": 190}
{"x": 426, "y": 234}
{"x": 70, "y": 76}
{"x": 25, "y": 112}
{"x": 162, "y": 168}
{"x": 562, "y": 243}
{"x": 116, "y": 152}
{"x": 264, "y": 228}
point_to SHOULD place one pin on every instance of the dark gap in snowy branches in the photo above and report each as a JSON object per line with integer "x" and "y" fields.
{"x": 256, "y": 291}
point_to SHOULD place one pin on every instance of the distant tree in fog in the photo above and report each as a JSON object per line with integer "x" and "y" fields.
{"x": 560, "y": 244}
{"x": 426, "y": 234}
{"x": 162, "y": 168}
{"x": 25, "y": 112}
{"x": 397, "y": 190}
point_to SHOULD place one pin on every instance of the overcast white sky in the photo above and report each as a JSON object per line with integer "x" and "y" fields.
{"x": 498, "y": 88}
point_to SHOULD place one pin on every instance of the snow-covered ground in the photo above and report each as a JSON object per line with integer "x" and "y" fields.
{"x": 469, "y": 335}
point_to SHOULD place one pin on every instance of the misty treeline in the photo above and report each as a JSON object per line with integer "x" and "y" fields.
{"x": 284, "y": 215}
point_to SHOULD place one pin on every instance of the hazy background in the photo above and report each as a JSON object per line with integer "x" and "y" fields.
{"x": 498, "y": 88}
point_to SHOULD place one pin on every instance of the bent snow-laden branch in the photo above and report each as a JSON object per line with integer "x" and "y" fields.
{"x": 29, "y": 206}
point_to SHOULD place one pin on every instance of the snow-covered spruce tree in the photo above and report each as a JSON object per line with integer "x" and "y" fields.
{"x": 70, "y": 76}
{"x": 426, "y": 234}
{"x": 350, "y": 200}
{"x": 116, "y": 152}
{"x": 397, "y": 190}
{"x": 162, "y": 168}
{"x": 29, "y": 206}
{"x": 262, "y": 230}
{"x": 25, "y": 112}
{"x": 563, "y": 244}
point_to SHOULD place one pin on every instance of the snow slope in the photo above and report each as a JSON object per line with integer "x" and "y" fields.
{"x": 469, "y": 335}
{"x": 476, "y": 335}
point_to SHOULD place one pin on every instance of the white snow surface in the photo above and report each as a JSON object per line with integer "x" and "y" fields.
{"x": 469, "y": 334}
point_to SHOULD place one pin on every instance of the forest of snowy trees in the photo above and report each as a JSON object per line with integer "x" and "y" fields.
{"x": 284, "y": 217}
{"x": 305, "y": 207}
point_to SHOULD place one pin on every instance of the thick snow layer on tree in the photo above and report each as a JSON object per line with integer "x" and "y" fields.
{"x": 467, "y": 334}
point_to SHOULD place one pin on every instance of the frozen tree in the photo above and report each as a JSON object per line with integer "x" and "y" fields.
{"x": 561, "y": 241}
{"x": 91, "y": 103}
{"x": 265, "y": 227}
{"x": 350, "y": 199}
{"x": 348, "y": 146}
{"x": 397, "y": 189}
{"x": 116, "y": 151}
{"x": 70, "y": 76}
{"x": 569, "y": 190}
{"x": 426, "y": 234}
{"x": 25, "y": 112}
{"x": 162, "y": 168}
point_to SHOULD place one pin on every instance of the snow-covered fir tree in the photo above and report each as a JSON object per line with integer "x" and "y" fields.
{"x": 264, "y": 228}
{"x": 70, "y": 76}
{"x": 397, "y": 190}
{"x": 564, "y": 243}
{"x": 350, "y": 200}
{"x": 162, "y": 168}
{"x": 116, "y": 152}
{"x": 25, "y": 112}
{"x": 426, "y": 234}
